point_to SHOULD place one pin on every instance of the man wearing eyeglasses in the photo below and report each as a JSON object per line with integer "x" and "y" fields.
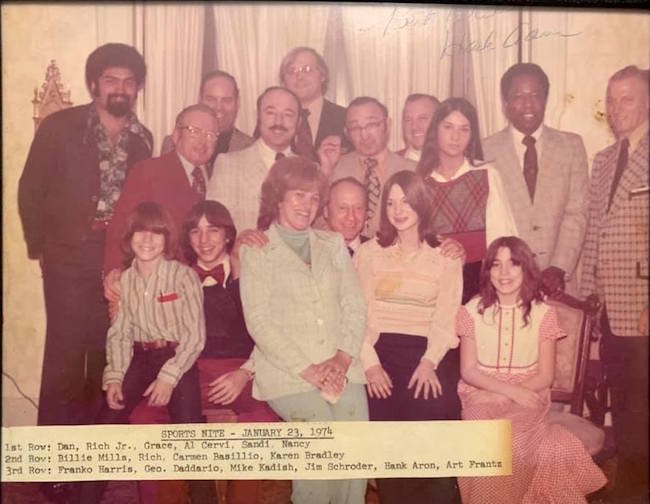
{"x": 176, "y": 181}
{"x": 367, "y": 125}
{"x": 219, "y": 91}
{"x": 303, "y": 71}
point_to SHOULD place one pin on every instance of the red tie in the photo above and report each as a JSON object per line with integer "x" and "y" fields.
{"x": 218, "y": 273}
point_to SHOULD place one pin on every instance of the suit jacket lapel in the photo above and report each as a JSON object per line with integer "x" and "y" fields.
{"x": 633, "y": 174}
{"x": 549, "y": 159}
{"x": 513, "y": 179}
{"x": 319, "y": 256}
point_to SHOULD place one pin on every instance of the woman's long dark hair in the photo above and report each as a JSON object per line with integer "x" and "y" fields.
{"x": 420, "y": 198}
{"x": 521, "y": 255}
{"x": 430, "y": 152}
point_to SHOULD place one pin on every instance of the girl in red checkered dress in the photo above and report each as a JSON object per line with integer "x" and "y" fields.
{"x": 508, "y": 337}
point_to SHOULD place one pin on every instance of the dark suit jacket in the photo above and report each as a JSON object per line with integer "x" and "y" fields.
{"x": 332, "y": 121}
{"x": 59, "y": 187}
{"x": 161, "y": 180}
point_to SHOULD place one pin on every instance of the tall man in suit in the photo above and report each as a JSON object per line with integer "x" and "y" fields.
{"x": 238, "y": 176}
{"x": 345, "y": 211}
{"x": 416, "y": 117}
{"x": 176, "y": 181}
{"x": 367, "y": 125}
{"x": 304, "y": 72}
{"x": 544, "y": 173}
{"x": 615, "y": 267}
{"x": 219, "y": 91}
{"x": 72, "y": 178}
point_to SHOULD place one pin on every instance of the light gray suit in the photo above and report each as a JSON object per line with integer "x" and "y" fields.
{"x": 237, "y": 183}
{"x": 554, "y": 224}
{"x": 350, "y": 166}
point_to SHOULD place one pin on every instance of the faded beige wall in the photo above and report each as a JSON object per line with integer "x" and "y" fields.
{"x": 32, "y": 35}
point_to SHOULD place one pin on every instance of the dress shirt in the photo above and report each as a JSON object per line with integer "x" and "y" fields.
{"x": 520, "y": 148}
{"x": 503, "y": 343}
{"x": 167, "y": 305}
{"x": 189, "y": 168}
{"x": 315, "y": 110}
{"x": 636, "y": 136}
{"x": 413, "y": 154}
{"x": 354, "y": 244}
{"x": 416, "y": 293}
{"x": 498, "y": 216}
{"x": 268, "y": 155}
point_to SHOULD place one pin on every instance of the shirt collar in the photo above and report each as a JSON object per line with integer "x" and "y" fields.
{"x": 519, "y": 136}
{"x": 413, "y": 154}
{"x": 636, "y": 136}
{"x": 464, "y": 168}
{"x": 189, "y": 168}
{"x": 355, "y": 244}
{"x": 268, "y": 155}
{"x": 226, "y": 270}
{"x": 316, "y": 107}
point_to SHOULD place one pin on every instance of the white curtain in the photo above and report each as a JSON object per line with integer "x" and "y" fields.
{"x": 252, "y": 40}
{"x": 493, "y": 30}
{"x": 547, "y": 33}
{"x": 171, "y": 39}
{"x": 391, "y": 51}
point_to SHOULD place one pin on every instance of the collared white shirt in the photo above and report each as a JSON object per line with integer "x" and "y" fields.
{"x": 413, "y": 154}
{"x": 636, "y": 136}
{"x": 520, "y": 148}
{"x": 189, "y": 168}
{"x": 354, "y": 244}
{"x": 268, "y": 155}
{"x": 315, "y": 110}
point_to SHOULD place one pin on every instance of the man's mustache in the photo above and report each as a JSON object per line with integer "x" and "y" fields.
{"x": 118, "y": 96}
{"x": 279, "y": 128}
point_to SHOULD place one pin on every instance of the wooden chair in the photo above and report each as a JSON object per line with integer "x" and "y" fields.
{"x": 574, "y": 317}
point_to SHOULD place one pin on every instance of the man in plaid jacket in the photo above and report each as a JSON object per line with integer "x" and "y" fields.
{"x": 616, "y": 268}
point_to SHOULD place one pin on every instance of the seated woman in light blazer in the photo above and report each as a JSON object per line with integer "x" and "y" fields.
{"x": 304, "y": 309}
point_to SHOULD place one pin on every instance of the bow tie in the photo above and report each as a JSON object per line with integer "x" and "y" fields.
{"x": 217, "y": 273}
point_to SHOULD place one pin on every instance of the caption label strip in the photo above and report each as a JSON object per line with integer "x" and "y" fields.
{"x": 315, "y": 450}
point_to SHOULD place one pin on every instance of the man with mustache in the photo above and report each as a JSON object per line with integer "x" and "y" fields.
{"x": 544, "y": 173}
{"x": 71, "y": 182}
{"x": 238, "y": 176}
{"x": 219, "y": 91}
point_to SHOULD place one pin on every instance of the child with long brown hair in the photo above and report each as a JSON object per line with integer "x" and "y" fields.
{"x": 508, "y": 337}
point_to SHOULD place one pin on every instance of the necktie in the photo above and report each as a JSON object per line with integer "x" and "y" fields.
{"x": 198, "y": 182}
{"x": 530, "y": 165}
{"x": 371, "y": 181}
{"x": 350, "y": 251}
{"x": 304, "y": 138}
{"x": 279, "y": 155}
{"x": 623, "y": 155}
{"x": 217, "y": 273}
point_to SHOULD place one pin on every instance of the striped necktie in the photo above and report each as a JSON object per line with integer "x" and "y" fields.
{"x": 371, "y": 181}
{"x": 198, "y": 182}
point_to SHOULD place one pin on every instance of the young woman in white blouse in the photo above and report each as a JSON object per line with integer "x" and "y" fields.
{"x": 413, "y": 293}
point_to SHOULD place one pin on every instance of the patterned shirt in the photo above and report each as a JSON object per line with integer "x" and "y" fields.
{"x": 503, "y": 343}
{"x": 112, "y": 159}
{"x": 168, "y": 305}
{"x": 416, "y": 293}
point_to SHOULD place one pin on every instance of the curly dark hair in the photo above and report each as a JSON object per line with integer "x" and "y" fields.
{"x": 115, "y": 55}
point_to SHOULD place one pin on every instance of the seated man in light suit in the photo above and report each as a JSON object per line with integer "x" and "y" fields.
{"x": 367, "y": 125}
{"x": 544, "y": 173}
{"x": 238, "y": 176}
{"x": 219, "y": 91}
{"x": 416, "y": 118}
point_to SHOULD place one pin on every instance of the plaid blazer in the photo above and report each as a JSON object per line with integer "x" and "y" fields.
{"x": 616, "y": 248}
